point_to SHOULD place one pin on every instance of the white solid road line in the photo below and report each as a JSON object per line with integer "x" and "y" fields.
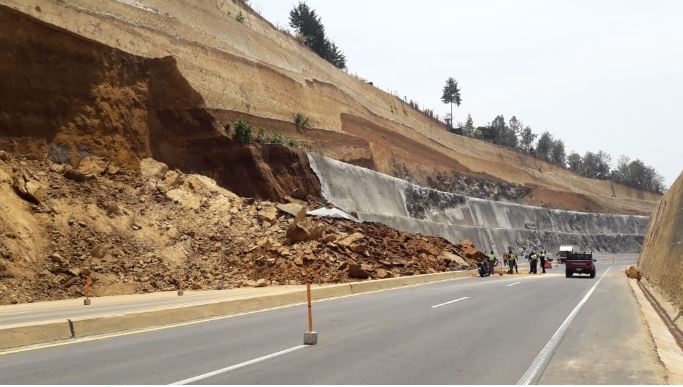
{"x": 540, "y": 361}
{"x": 449, "y": 302}
{"x": 240, "y": 365}
{"x": 516, "y": 283}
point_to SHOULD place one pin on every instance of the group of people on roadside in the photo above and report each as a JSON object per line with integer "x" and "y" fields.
{"x": 533, "y": 257}
{"x": 510, "y": 259}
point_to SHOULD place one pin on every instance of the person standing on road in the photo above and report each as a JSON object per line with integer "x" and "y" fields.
{"x": 533, "y": 262}
{"x": 512, "y": 261}
{"x": 528, "y": 259}
{"x": 542, "y": 256}
{"x": 492, "y": 261}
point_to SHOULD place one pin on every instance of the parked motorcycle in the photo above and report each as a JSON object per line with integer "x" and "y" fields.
{"x": 484, "y": 268}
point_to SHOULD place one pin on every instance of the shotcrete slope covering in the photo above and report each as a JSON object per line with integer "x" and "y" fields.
{"x": 253, "y": 68}
{"x": 661, "y": 260}
{"x": 490, "y": 224}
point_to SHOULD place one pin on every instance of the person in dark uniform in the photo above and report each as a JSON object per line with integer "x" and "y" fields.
{"x": 512, "y": 261}
{"x": 533, "y": 262}
{"x": 542, "y": 257}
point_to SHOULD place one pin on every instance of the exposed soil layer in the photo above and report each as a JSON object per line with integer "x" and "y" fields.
{"x": 65, "y": 97}
{"x": 339, "y": 146}
{"x": 253, "y": 68}
{"x": 271, "y": 172}
{"x": 157, "y": 228}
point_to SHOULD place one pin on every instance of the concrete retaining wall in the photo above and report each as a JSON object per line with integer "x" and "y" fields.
{"x": 381, "y": 198}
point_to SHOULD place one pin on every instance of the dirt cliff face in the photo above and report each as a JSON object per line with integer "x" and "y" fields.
{"x": 69, "y": 97}
{"x": 252, "y": 68}
{"x": 661, "y": 259}
{"x": 66, "y": 97}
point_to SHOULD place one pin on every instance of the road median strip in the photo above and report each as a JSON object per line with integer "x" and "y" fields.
{"x": 23, "y": 335}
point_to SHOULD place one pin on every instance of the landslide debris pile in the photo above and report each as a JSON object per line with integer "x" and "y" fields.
{"x": 147, "y": 231}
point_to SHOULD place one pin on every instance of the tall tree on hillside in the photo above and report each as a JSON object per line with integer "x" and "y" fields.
{"x": 515, "y": 126}
{"x": 306, "y": 22}
{"x": 595, "y": 165}
{"x": 334, "y": 55}
{"x": 557, "y": 153}
{"x": 544, "y": 145}
{"x": 636, "y": 174}
{"x": 504, "y": 135}
{"x": 451, "y": 95}
{"x": 468, "y": 129}
{"x": 574, "y": 162}
{"x": 526, "y": 139}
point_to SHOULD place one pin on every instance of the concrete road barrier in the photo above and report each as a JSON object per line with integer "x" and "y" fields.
{"x": 112, "y": 323}
{"x": 19, "y": 336}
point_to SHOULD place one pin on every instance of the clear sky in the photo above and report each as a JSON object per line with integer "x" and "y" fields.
{"x": 601, "y": 75}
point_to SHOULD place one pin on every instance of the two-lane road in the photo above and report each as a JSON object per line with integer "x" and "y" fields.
{"x": 468, "y": 331}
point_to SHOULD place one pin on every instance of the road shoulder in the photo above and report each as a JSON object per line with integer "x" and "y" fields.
{"x": 609, "y": 342}
{"x": 670, "y": 354}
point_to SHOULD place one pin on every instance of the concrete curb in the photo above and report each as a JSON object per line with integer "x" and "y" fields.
{"x": 18, "y": 336}
{"x": 23, "y": 335}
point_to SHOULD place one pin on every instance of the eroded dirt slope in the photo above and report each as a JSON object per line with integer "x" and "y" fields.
{"x": 252, "y": 68}
{"x": 65, "y": 97}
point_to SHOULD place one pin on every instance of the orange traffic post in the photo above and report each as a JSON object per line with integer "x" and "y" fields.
{"x": 87, "y": 291}
{"x": 310, "y": 337}
{"x": 310, "y": 311}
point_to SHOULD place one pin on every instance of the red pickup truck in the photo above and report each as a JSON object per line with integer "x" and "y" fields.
{"x": 579, "y": 263}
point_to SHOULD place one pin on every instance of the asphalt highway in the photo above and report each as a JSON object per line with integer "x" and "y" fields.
{"x": 495, "y": 330}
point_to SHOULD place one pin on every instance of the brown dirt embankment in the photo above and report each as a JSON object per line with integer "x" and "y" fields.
{"x": 65, "y": 97}
{"x": 148, "y": 230}
{"x": 661, "y": 259}
{"x": 255, "y": 69}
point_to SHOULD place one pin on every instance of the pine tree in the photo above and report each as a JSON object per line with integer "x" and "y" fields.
{"x": 451, "y": 95}
{"x": 468, "y": 130}
{"x": 309, "y": 26}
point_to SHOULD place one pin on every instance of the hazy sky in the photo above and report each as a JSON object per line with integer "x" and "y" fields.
{"x": 601, "y": 75}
